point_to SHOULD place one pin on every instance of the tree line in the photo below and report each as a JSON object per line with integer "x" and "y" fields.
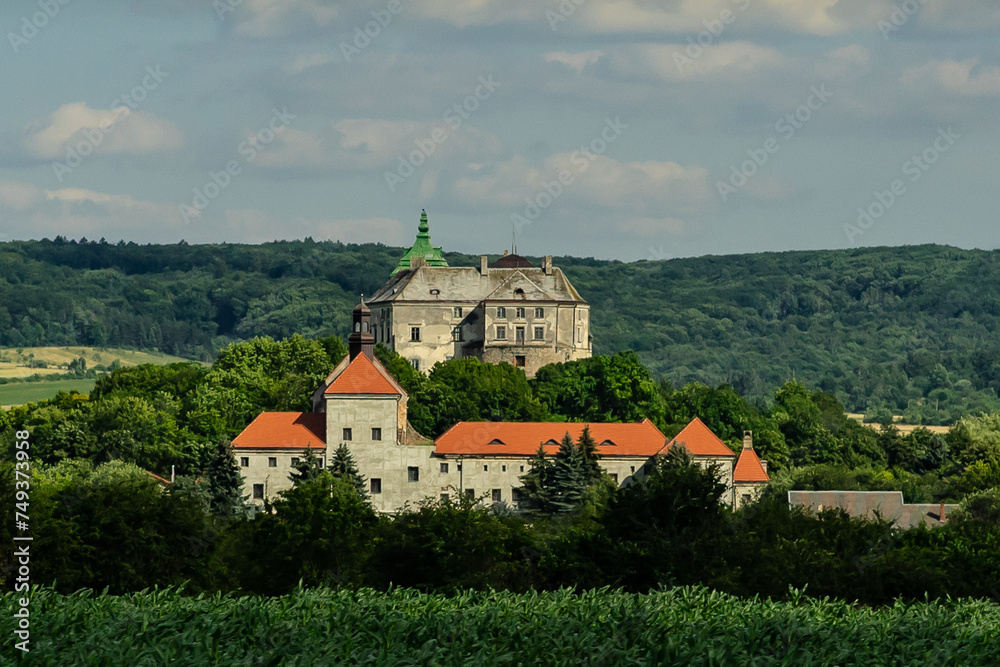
{"x": 906, "y": 331}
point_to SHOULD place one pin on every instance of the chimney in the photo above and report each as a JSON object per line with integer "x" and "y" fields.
{"x": 484, "y": 263}
{"x": 547, "y": 265}
{"x": 505, "y": 253}
{"x": 941, "y": 512}
{"x": 747, "y": 439}
{"x": 763, "y": 464}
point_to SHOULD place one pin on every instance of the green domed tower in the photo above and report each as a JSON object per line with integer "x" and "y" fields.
{"x": 422, "y": 248}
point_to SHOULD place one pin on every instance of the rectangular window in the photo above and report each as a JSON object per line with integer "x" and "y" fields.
{"x": 633, "y": 468}
{"x": 347, "y": 434}
{"x": 456, "y": 334}
{"x": 496, "y": 496}
{"x": 415, "y": 334}
{"x": 501, "y": 333}
{"x": 459, "y": 467}
{"x": 258, "y": 491}
{"x": 470, "y": 493}
{"x": 444, "y": 497}
{"x": 614, "y": 477}
{"x": 375, "y": 485}
{"x": 458, "y": 313}
{"x": 376, "y": 434}
{"x": 519, "y": 360}
{"x": 519, "y": 335}
{"x": 244, "y": 461}
{"x": 746, "y": 498}
{"x": 522, "y": 468}
{"x": 444, "y": 468}
{"x": 272, "y": 461}
{"x": 515, "y": 495}
{"x": 503, "y": 468}
{"x": 539, "y": 312}
{"x": 413, "y": 474}
{"x": 501, "y": 313}
{"x": 539, "y": 333}
{"x": 415, "y": 363}
{"x": 295, "y": 461}
{"x": 519, "y": 313}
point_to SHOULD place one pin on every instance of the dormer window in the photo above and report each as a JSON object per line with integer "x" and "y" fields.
{"x": 496, "y": 441}
{"x": 607, "y": 443}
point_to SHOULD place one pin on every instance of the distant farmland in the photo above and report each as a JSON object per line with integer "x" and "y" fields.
{"x": 19, "y": 393}
{"x": 27, "y": 361}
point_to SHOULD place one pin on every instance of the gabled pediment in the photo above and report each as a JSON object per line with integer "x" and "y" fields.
{"x": 518, "y": 286}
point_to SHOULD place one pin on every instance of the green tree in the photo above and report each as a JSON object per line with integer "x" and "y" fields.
{"x": 568, "y": 477}
{"x": 225, "y": 483}
{"x": 535, "y": 482}
{"x": 342, "y": 466}
{"x": 307, "y": 468}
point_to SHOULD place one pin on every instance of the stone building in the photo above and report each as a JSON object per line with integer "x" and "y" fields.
{"x": 362, "y": 406}
{"x": 509, "y": 310}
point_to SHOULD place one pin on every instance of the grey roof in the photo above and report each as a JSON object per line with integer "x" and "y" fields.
{"x": 864, "y": 504}
{"x": 465, "y": 283}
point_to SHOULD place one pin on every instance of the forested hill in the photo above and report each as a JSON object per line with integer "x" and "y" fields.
{"x": 898, "y": 329}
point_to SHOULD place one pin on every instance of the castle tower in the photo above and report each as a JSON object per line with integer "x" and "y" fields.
{"x": 361, "y": 340}
{"x": 422, "y": 249}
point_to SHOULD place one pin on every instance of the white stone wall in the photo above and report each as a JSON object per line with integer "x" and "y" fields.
{"x": 259, "y": 470}
{"x": 361, "y": 414}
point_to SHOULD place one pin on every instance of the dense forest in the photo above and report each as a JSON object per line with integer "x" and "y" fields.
{"x": 905, "y": 330}
{"x": 99, "y": 519}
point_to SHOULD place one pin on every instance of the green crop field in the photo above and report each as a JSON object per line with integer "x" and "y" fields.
{"x": 683, "y": 626}
{"x": 19, "y": 393}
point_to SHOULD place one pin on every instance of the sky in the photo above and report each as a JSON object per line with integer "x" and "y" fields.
{"x": 616, "y": 129}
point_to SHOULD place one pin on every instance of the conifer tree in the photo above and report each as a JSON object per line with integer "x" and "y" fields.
{"x": 568, "y": 477}
{"x": 588, "y": 450}
{"x": 535, "y": 482}
{"x": 307, "y": 469}
{"x": 225, "y": 483}
{"x": 343, "y": 466}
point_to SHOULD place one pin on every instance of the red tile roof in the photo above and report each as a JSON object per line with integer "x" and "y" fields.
{"x": 284, "y": 430}
{"x": 361, "y": 377}
{"x": 522, "y": 438}
{"x": 748, "y": 468}
{"x": 699, "y": 440}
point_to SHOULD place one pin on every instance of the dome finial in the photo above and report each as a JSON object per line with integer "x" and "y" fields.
{"x": 423, "y": 228}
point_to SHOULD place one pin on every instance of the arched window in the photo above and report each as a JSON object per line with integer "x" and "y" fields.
{"x": 365, "y": 325}
{"x": 357, "y": 326}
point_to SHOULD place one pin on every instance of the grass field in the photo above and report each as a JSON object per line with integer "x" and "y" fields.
{"x": 682, "y": 626}
{"x": 27, "y": 361}
{"x": 19, "y": 393}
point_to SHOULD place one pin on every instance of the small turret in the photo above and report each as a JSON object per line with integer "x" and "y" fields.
{"x": 361, "y": 340}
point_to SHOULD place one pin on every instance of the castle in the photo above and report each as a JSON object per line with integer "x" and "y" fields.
{"x": 431, "y": 312}
{"x": 509, "y": 310}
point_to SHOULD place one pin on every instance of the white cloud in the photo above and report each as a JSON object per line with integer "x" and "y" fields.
{"x": 605, "y": 182}
{"x": 106, "y": 130}
{"x": 305, "y": 61}
{"x": 955, "y": 77}
{"x": 370, "y": 143}
{"x": 255, "y": 226}
{"x": 731, "y": 61}
{"x": 30, "y": 211}
{"x": 278, "y": 18}
{"x": 575, "y": 60}
{"x": 642, "y": 16}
